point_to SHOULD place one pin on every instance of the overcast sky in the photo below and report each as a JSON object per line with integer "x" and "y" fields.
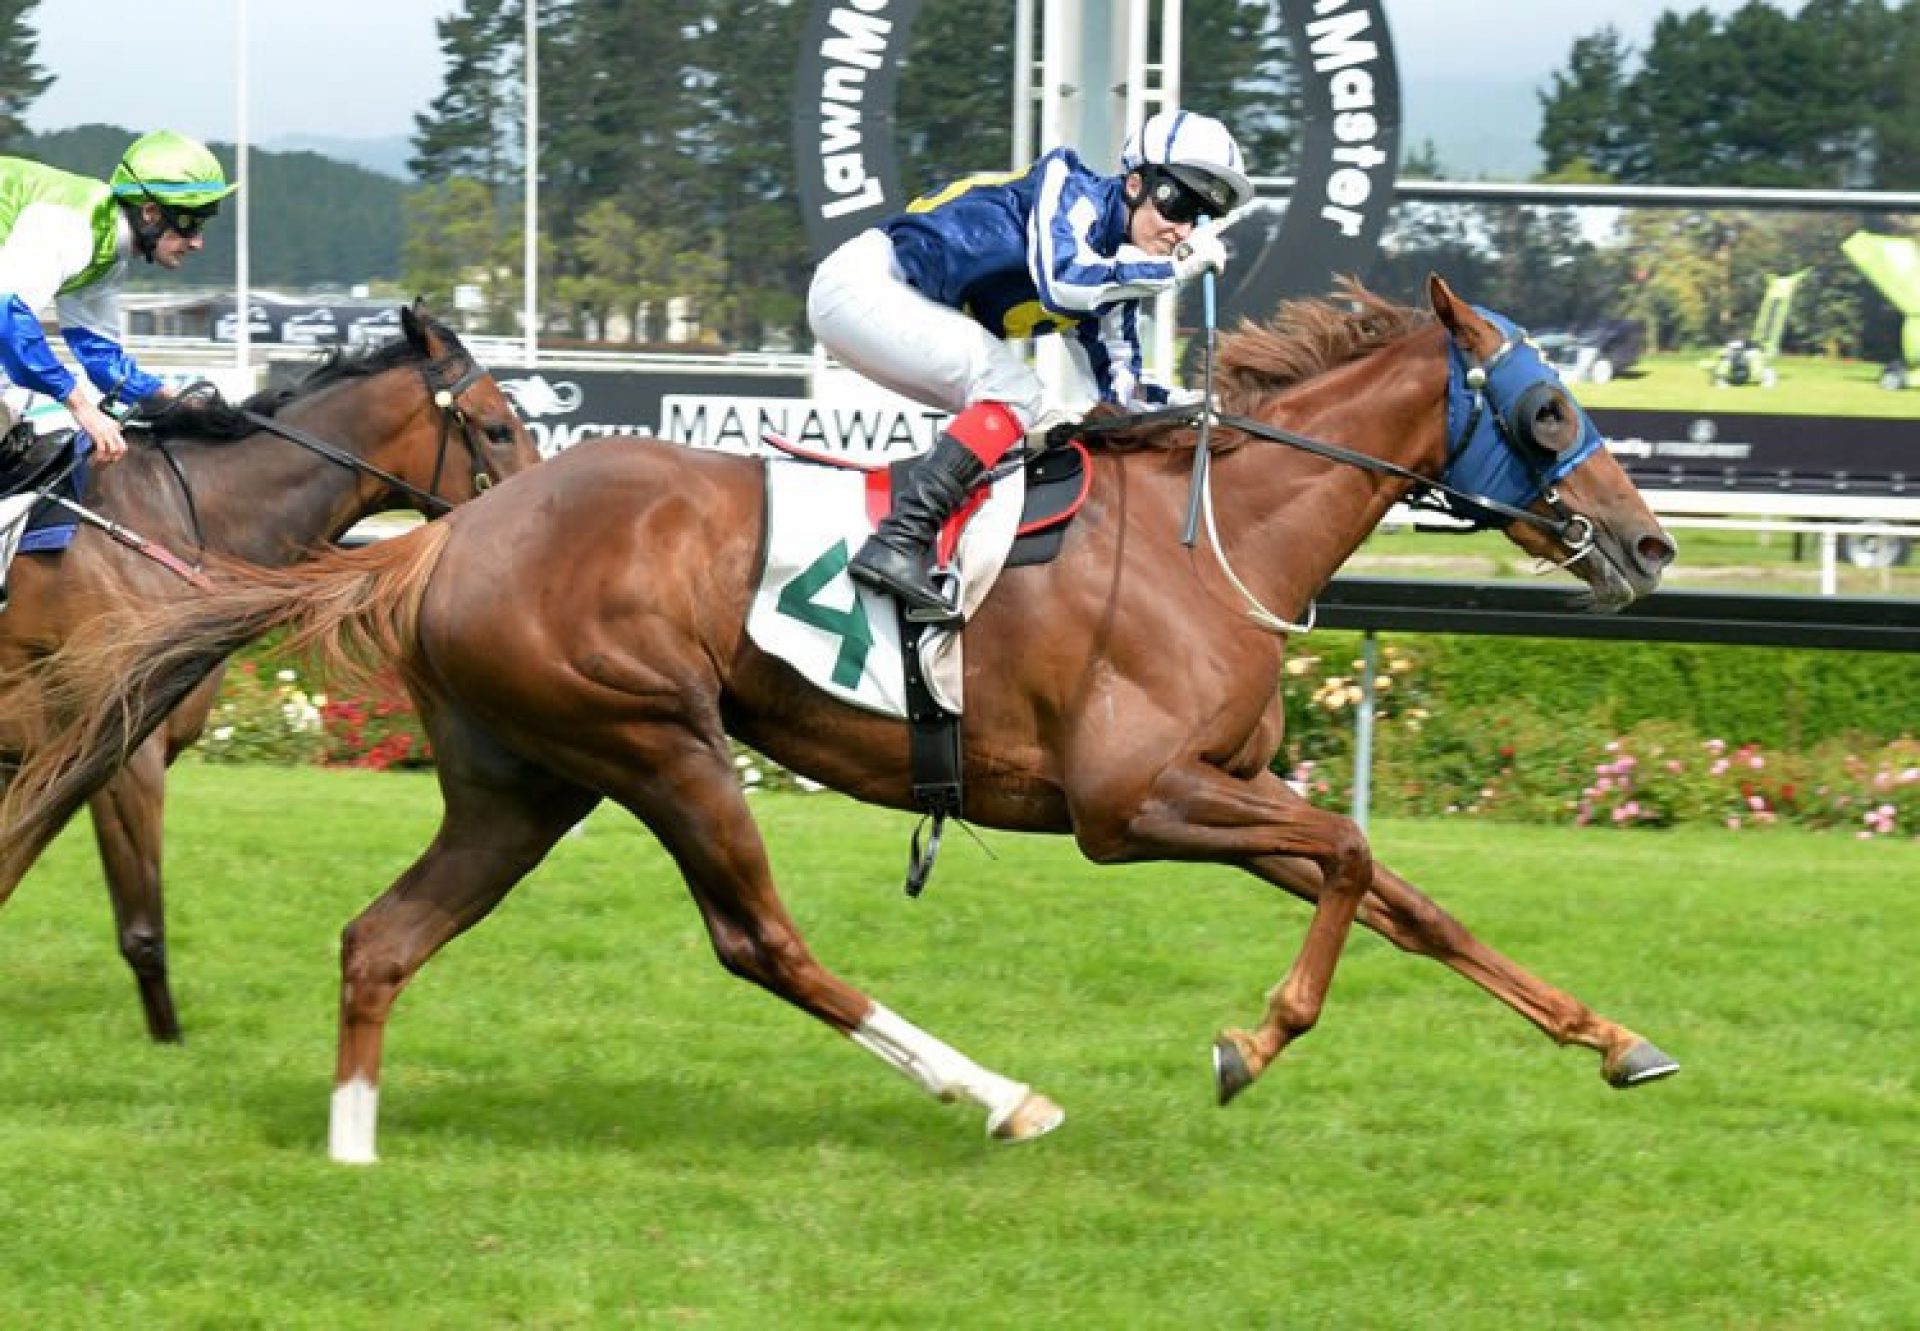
{"x": 362, "y": 68}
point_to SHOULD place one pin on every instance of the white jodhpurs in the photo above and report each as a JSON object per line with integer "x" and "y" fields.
{"x": 872, "y": 320}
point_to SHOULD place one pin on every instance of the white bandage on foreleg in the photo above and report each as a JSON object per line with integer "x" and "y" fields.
{"x": 938, "y": 1069}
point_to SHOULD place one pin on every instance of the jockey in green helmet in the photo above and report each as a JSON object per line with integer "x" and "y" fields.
{"x": 66, "y": 241}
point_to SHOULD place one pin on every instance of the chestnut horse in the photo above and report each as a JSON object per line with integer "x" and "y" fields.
{"x": 413, "y": 424}
{"x": 580, "y": 635}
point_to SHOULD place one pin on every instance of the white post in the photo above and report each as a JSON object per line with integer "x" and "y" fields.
{"x": 1363, "y": 731}
{"x": 242, "y": 332}
{"x": 530, "y": 316}
{"x": 1062, "y": 97}
{"x": 1023, "y": 151}
{"x": 1161, "y": 357}
{"x": 1829, "y": 563}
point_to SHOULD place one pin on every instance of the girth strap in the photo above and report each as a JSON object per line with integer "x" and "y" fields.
{"x": 934, "y": 756}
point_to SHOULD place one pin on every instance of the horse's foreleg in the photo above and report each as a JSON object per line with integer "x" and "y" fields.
{"x": 127, "y": 826}
{"x": 1412, "y": 922}
{"x": 690, "y": 796}
{"x": 493, "y": 833}
{"x": 1194, "y": 811}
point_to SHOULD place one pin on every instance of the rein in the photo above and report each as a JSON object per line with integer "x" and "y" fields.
{"x": 133, "y": 540}
{"x": 446, "y": 398}
{"x": 1574, "y": 530}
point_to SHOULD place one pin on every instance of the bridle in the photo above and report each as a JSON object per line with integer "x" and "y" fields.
{"x": 1494, "y": 415}
{"x": 447, "y": 381}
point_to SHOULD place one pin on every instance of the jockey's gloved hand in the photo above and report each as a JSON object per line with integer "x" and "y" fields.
{"x": 1201, "y": 252}
{"x": 1054, "y": 428}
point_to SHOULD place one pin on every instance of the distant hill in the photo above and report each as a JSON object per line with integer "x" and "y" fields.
{"x": 1483, "y": 128}
{"x": 316, "y": 222}
{"x": 387, "y": 156}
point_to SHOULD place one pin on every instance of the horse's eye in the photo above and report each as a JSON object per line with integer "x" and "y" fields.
{"x": 500, "y": 432}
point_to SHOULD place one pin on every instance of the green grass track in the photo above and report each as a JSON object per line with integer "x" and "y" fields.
{"x": 586, "y": 1123}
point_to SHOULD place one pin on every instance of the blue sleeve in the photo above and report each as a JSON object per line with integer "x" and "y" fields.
{"x": 110, "y": 366}
{"x": 1074, "y": 274}
{"x": 25, "y": 355}
{"x": 1111, "y": 344}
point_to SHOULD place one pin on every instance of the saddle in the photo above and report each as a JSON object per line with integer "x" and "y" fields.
{"x": 1057, "y": 481}
{"x": 27, "y": 460}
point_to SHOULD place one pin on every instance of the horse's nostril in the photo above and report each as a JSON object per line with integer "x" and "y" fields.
{"x": 1656, "y": 551}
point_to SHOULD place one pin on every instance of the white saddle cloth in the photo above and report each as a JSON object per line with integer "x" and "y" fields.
{"x": 841, "y": 636}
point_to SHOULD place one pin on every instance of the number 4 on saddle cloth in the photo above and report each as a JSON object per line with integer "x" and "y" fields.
{"x": 30, "y": 471}
{"x": 847, "y": 639}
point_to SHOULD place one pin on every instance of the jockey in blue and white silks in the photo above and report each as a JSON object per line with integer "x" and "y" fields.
{"x": 927, "y": 302}
{"x": 66, "y": 241}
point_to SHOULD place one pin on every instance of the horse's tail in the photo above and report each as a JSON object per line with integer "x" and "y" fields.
{"x": 88, "y": 706}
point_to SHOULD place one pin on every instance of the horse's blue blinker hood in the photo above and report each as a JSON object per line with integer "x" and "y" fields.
{"x": 1492, "y": 454}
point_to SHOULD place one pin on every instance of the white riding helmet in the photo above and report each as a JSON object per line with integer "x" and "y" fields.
{"x": 1196, "y": 150}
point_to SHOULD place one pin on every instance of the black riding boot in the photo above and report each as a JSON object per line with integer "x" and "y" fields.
{"x": 898, "y": 557}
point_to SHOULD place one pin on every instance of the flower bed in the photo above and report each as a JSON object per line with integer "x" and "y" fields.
{"x": 1511, "y": 760}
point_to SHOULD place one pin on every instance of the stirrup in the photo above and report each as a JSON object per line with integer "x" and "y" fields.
{"x": 946, "y": 584}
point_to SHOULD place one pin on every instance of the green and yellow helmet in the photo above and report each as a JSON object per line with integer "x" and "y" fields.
{"x": 176, "y": 172}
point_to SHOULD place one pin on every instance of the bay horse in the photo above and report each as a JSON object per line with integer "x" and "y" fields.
{"x": 415, "y": 423}
{"x": 579, "y": 635}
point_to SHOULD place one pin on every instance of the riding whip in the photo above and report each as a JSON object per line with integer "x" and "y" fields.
{"x": 1191, "y": 531}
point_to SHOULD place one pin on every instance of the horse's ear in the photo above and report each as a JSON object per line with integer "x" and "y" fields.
{"x": 412, "y": 324}
{"x": 1473, "y": 334}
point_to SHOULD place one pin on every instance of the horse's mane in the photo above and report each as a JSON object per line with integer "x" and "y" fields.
{"x": 1303, "y": 339}
{"x": 209, "y": 417}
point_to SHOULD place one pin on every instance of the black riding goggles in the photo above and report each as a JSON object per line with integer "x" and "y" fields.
{"x": 1173, "y": 199}
{"x": 187, "y": 223}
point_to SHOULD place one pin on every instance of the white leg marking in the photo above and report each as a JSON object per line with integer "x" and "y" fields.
{"x": 936, "y": 1068}
{"x": 350, "y": 1124}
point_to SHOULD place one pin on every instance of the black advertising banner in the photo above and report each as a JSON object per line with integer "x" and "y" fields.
{"x": 843, "y": 121}
{"x": 561, "y": 407}
{"x": 1756, "y": 451}
{"x": 1349, "y": 151}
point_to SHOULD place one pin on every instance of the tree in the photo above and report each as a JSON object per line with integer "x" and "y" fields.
{"x": 1584, "y": 111}
{"x": 452, "y": 243}
{"x": 21, "y": 78}
{"x": 473, "y": 127}
{"x": 1237, "y": 67}
{"x": 1823, "y": 98}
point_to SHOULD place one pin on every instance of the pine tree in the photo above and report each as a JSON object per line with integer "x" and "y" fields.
{"x": 474, "y": 126}
{"x": 21, "y": 78}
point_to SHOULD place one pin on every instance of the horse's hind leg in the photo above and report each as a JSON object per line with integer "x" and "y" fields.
{"x": 501, "y": 818}
{"x": 127, "y": 826}
{"x": 687, "y": 791}
{"x": 1407, "y": 918}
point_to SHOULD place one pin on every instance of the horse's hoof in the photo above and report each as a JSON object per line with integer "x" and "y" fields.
{"x": 1231, "y": 1075}
{"x": 1034, "y": 1116}
{"x": 1643, "y": 1063}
